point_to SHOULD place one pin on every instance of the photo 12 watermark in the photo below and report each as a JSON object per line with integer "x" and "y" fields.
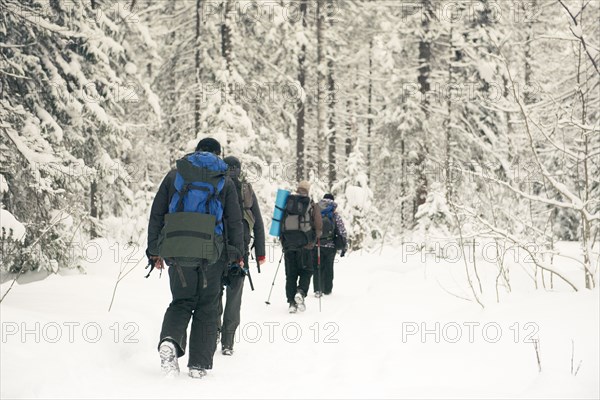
{"x": 287, "y": 332}
{"x": 69, "y": 332}
{"x": 468, "y": 332}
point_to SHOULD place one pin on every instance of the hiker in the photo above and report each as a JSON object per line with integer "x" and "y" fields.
{"x": 197, "y": 246}
{"x": 300, "y": 228}
{"x": 332, "y": 240}
{"x": 234, "y": 276}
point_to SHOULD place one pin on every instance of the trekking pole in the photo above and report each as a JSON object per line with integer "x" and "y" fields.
{"x": 151, "y": 266}
{"x": 257, "y": 262}
{"x": 319, "y": 270}
{"x": 247, "y": 271}
{"x": 273, "y": 284}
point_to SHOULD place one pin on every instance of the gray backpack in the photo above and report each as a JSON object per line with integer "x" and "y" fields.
{"x": 297, "y": 229}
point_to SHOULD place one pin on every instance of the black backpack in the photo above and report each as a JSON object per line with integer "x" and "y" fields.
{"x": 330, "y": 231}
{"x": 329, "y": 227}
{"x": 297, "y": 223}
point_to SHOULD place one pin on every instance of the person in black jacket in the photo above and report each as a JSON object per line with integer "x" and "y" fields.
{"x": 195, "y": 289}
{"x": 234, "y": 276}
{"x": 333, "y": 231}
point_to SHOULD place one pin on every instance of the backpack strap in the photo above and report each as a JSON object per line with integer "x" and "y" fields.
{"x": 247, "y": 192}
{"x": 185, "y": 189}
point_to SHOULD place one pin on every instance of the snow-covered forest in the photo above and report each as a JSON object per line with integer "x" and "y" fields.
{"x": 462, "y": 131}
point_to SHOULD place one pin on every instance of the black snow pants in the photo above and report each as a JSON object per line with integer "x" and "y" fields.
{"x": 298, "y": 270}
{"x": 193, "y": 300}
{"x": 230, "y": 314}
{"x": 323, "y": 279}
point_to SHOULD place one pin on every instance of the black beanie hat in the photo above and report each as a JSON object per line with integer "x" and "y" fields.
{"x": 329, "y": 196}
{"x": 234, "y": 166}
{"x": 232, "y": 162}
{"x": 209, "y": 144}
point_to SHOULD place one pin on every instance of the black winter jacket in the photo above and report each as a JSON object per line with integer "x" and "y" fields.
{"x": 232, "y": 215}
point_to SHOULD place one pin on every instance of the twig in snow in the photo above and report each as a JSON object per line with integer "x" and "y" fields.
{"x": 574, "y": 372}
{"x": 536, "y": 346}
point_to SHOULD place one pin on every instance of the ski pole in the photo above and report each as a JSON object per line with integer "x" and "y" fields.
{"x": 273, "y": 284}
{"x": 319, "y": 270}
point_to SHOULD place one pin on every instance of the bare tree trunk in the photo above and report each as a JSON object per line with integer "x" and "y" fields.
{"x": 448, "y": 121}
{"x": 425, "y": 58}
{"x": 197, "y": 98}
{"x": 527, "y": 55}
{"x": 585, "y": 226}
{"x": 331, "y": 101}
{"x": 226, "y": 50}
{"x": 370, "y": 111}
{"x": 349, "y": 128}
{"x": 93, "y": 207}
{"x": 321, "y": 86}
{"x": 351, "y": 121}
{"x": 424, "y": 88}
{"x": 403, "y": 184}
{"x": 300, "y": 122}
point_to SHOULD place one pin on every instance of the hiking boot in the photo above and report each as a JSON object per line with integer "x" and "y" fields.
{"x": 227, "y": 351}
{"x": 197, "y": 373}
{"x": 318, "y": 294}
{"x": 168, "y": 359}
{"x": 293, "y": 308}
{"x": 299, "y": 298}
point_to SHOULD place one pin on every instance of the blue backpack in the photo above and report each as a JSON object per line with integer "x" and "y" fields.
{"x": 193, "y": 230}
{"x": 329, "y": 226}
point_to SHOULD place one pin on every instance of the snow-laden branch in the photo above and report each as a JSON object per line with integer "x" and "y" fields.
{"x": 578, "y": 33}
{"x": 519, "y": 243}
{"x": 545, "y": 200}
{"x": 43, "y": 23}
{"x": 583, "y": 127}
{"x": 576, "y": 202}
{"x": 31, "y": 156}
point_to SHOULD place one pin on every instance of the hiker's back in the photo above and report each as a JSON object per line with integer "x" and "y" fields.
{"x": 193, "y": 228}
{"x": 297, "y": 230}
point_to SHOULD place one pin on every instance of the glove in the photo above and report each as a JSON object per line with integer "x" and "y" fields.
{"x": 343, "y": 253}
{"x": 237, "y": 268}
{"x": 261, "y": 260}
{"x": 157, "y": 261}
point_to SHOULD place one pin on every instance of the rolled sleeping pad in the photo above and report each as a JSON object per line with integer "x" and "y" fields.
{"x": 280, "y": 201}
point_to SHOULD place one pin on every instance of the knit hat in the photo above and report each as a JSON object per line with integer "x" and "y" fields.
{"x": 304, "y": 186}
{"x": 210, "y": 145}
{"x": 234, "y": 166}
{"x": 329, "y": 196}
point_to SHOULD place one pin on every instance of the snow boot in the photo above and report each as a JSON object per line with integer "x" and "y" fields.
{"x": 299, "y": 298}
{"x": 227, "y": 351}
{"x": 197, "y": 373}
{"x": 293, "y": 308}
{"x": 168, "y": 359}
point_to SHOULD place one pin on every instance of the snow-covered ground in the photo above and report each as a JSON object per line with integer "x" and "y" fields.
{"x": 369, "y": 340}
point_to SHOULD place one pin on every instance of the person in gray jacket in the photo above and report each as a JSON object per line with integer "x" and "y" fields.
{"x": 233, "y": 278}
